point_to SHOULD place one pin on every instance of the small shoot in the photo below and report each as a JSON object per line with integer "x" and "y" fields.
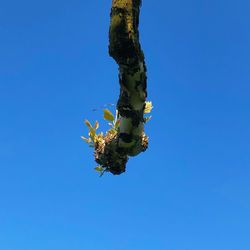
{"x": 147, "y": 110}
{"x": 101, "y": 170}
{"x": 148, "y": 107}
{"x": 95, "y": 140}
{"x": 92, "y": 133}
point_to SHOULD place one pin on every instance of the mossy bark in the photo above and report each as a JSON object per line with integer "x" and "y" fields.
{"x": 125, "y": 48}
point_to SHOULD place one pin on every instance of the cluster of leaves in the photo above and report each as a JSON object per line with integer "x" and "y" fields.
{"x": 95, "y": 137}
{"x": 114, "y": 123}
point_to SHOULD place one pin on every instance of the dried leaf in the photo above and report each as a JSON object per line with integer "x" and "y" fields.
{"x": 88, "y": 140}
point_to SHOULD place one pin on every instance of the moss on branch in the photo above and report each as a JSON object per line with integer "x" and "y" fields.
{"x": 127, "y": 139}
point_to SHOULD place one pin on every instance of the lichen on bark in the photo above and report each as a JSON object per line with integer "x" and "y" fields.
{"x": 129, "y": 139}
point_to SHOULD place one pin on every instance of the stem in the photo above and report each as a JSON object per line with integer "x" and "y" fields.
{"x": 125, "y": 48}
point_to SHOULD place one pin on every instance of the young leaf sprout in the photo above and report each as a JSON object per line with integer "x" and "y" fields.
{"x": 99, "y": 140}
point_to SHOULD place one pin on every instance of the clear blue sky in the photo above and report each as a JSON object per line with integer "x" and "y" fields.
{"x": 189, "y": 191}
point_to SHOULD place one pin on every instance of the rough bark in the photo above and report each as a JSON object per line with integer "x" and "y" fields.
{"x": 124, "y": 46}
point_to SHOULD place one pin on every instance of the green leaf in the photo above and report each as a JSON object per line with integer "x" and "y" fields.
{"x": 108, "y": 115}
{"x": 117, "y": 124}
{"x": 148, "y": 107}
{"x": 92, "y": 134}
{"x": 99, "y": 168}
{"x": 96, "y": 126}
{"x": 88, "y": 124}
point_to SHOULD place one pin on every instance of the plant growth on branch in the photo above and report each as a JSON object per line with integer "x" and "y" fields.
{"x": 126, "y": 136}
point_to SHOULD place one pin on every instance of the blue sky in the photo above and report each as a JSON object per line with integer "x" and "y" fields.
{"x": 188, "y": 191}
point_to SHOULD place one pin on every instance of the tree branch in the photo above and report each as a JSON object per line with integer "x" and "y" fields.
{"x": 112, "y": 153}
